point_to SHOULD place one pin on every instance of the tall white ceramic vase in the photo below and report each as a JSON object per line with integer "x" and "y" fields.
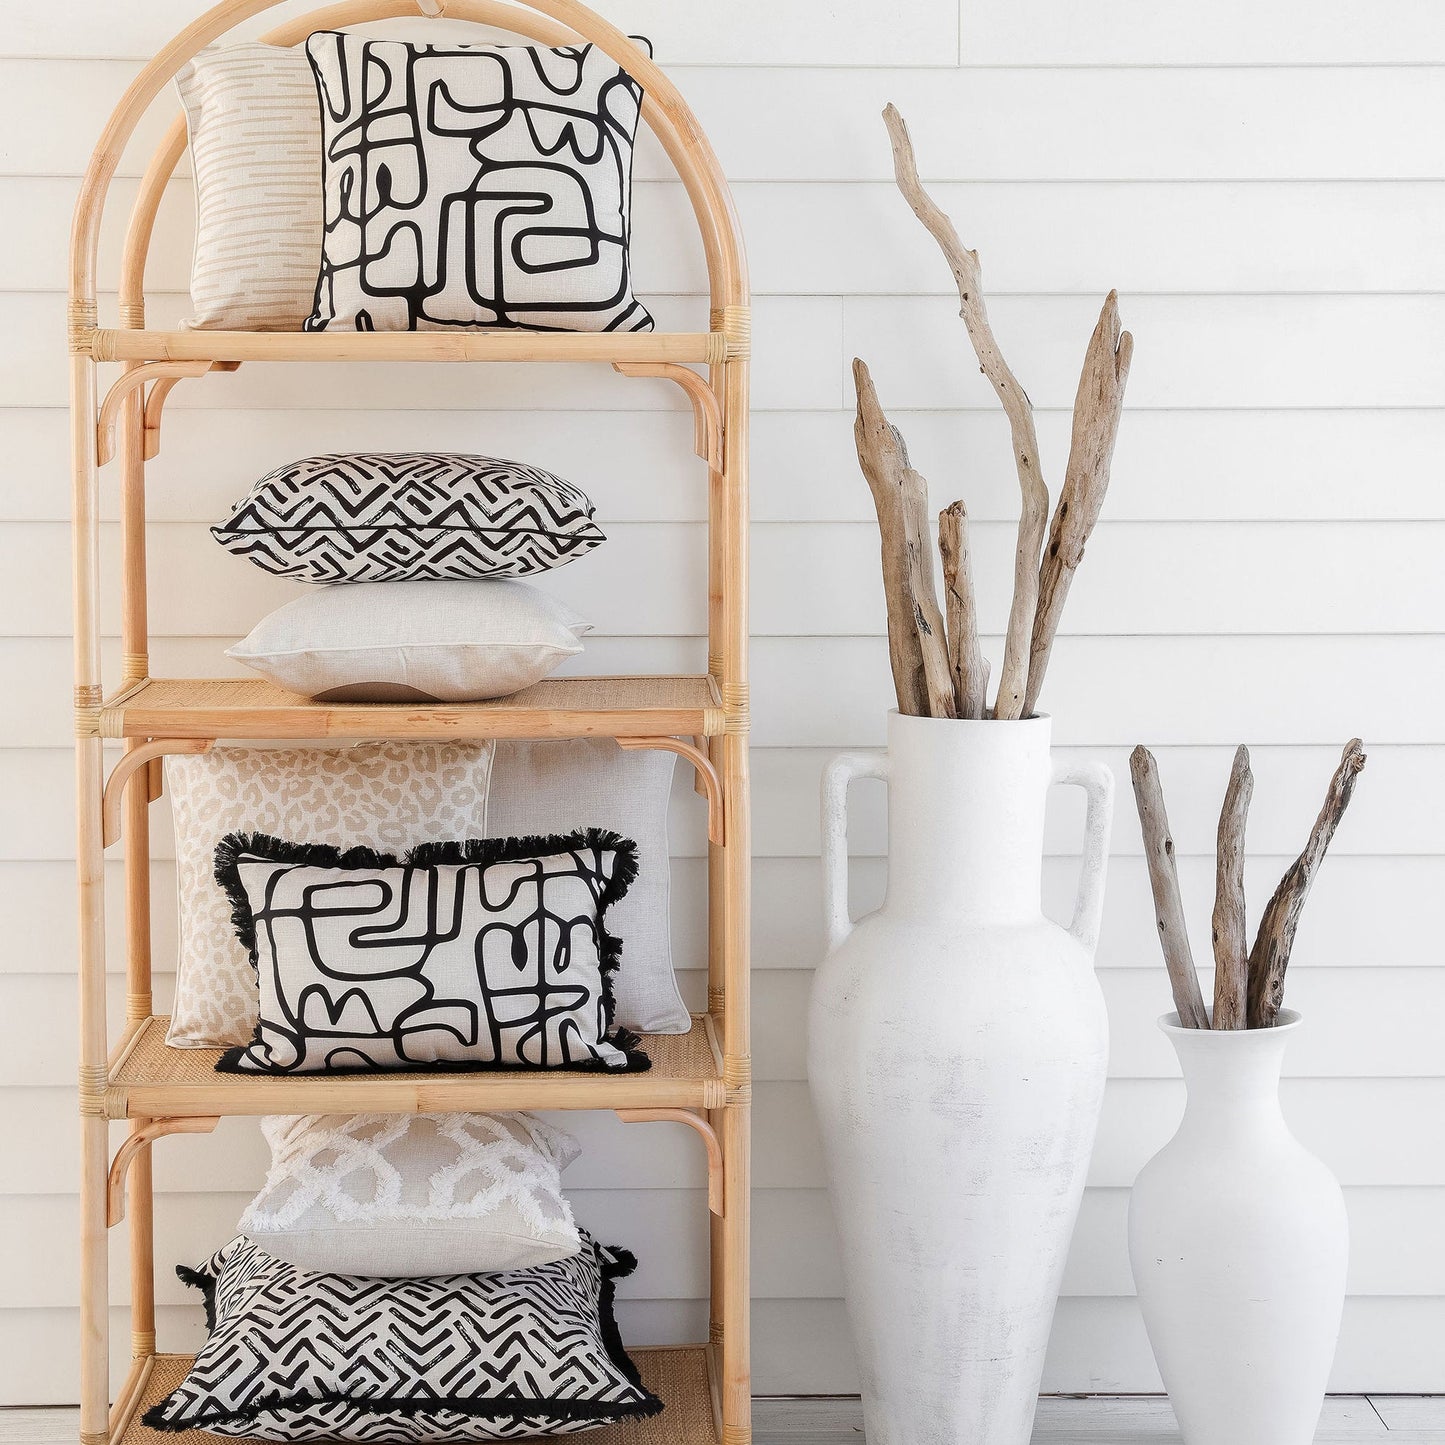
{"x": 957, "y": 1052}
{"x": 1239, "y": 1242}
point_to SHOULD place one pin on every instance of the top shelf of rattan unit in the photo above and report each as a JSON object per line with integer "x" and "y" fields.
{"x": 633, "y": 347}
{"x": 558, "y": 707}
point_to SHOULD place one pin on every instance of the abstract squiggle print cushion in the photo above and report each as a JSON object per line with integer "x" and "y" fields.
{"x": 484, "y": 954}
{"x": 296, "y": 1356}
{"x": 399, "y": 516}
{"x": 469, "y": 186}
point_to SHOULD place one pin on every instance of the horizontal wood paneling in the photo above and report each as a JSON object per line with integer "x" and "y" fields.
{"x": 745, "y": 32}
{"x": 1021, "y": 124}
{"x": 1264, "y": 185}
{"x": 795, "y": 1251}
{"x": 1228, "y": 32}
{"x": 1394, "y": 814}
{"x": 1271, "y": 351}
{"x": 1285, "y": 689}
{"x": 1227, "y": 352}
{"x": 1342, "y": 1040}
{"x": 1201, "y": 578}
{"x": 1373, "y": 1133}
{"x": 1170, "y": 466}
{"x": 1170, "y": 236}
{"x": 36, "y": 904}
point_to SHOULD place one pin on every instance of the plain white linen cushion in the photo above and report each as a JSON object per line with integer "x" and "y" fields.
{"x": 391, "y": 796}
{"x": 414, "y": 641}
{"x": 558, "y": 787}
{"x": 397, "y": 1195}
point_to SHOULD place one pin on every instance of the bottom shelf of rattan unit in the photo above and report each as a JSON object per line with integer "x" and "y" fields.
{"x": 680, "y": 1376}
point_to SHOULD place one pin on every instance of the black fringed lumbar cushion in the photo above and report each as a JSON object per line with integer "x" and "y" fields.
{"x": 296, "y": 1356}
{"x": 485, "y": 954}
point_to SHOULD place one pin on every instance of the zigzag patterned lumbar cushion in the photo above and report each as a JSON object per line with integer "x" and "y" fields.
{"x": 394, "y": 516}
{"x": 484, "y": 954}
{"x": 310, "y": 1357}
{"x": 474, "y": 186}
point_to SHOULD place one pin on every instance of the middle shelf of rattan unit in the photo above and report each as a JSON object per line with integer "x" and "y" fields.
{"x": 636, "y": 706}
{"x": 150, "y": 1080}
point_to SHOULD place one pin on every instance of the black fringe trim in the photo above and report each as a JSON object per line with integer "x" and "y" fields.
{"x": 635, "y": 1061}
{"x": 616, "y": 1263}
{"x": 485, "y": 851}
{"x": 206, "y": 1283}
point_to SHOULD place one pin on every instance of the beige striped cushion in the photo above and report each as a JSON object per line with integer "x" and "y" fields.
{"x": 255, "y": 133}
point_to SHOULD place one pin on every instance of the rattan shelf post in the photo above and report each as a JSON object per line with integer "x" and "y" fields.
{"x": 701, "y": 1080}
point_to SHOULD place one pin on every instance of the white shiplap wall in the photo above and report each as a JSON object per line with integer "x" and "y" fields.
{"x": 1264, "y": 186}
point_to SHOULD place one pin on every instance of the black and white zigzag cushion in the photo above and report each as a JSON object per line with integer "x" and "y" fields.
{"x": 470, "y": 185}
{"x": 485, "y": 954}
{"x": 394, "y": 516}
{"x": 296, "y": 1356}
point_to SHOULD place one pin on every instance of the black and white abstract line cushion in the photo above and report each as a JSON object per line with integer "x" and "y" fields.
{"x": 482, "y": 954}
{"x": 399, "y": 516}
{"x": 470, "y": 186}
{"x": 296, "y": 1356}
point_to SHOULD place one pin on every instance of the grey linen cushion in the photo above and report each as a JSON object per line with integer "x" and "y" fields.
{"x": 553, "y": 787}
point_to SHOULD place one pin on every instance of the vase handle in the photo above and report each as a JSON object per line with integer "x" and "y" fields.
{"x": 837, "y": 925}
{"x": 1098, "y": 784}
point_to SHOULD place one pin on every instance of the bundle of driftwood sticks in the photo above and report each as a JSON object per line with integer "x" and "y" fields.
{"x": 939, "y": 669}
{"x": 1248, "y": 982}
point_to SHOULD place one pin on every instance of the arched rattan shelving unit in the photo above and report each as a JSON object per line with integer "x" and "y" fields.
{"x": 702, "y": 1079}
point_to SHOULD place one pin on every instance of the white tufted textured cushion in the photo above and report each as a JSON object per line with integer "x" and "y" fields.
{"x": 414, "y": 1194}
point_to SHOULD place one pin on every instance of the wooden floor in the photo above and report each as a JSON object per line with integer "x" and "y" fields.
{"x": 1116, "y": 1420}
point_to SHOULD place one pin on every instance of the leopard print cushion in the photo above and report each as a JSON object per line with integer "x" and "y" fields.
{"x": 389, "y": 796}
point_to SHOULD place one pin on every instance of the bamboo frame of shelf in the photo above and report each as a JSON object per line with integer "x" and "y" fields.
{"x": 705, "y": 1079}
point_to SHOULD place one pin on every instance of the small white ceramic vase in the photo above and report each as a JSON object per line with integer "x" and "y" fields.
{"x": 1238, "y": 1239}
{"x": 957, "y": 1053}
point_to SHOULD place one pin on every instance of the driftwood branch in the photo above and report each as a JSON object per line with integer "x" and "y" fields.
{"x": 922, "y": 597}
{"x": 883, "y": 461}
{"x": 1275, "y": 939}
{"x": 1034, "y": 511}
{"x": 965, "y": 657}
{"x": 1231, "y": 942}
{"x": 1097, "y": 407}
{"x": 1164, "y": 881}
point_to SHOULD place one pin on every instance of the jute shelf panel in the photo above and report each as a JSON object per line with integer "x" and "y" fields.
{"x": 150, "y": 1081}
{"x": 679, "y": 1376}
{"x": 560, "y": 707}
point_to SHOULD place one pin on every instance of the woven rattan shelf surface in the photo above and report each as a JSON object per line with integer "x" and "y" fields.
{"x": 148, "y": 1080}
{"x": 556, "y": 707}
{"x": 679, "y": 1376}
